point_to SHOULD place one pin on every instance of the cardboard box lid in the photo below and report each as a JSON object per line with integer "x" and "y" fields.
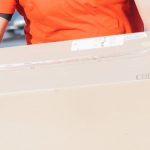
{"x": 108, "y": 46}
{"x": 109, "y": 60}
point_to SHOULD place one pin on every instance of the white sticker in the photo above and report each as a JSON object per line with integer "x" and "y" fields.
{"x": 99, "y": 42}
{"x": 134, "y": 36}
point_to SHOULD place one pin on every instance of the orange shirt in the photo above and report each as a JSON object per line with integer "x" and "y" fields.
{"x": 58, "y": 20}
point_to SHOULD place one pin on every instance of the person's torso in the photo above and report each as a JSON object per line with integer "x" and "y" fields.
{"x": 58, "y": 20}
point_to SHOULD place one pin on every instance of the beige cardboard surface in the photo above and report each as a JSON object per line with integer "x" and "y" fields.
{"x": 54, "y": 98}
{"x": 55, "y": 65}
{"x": 96, "y": 117}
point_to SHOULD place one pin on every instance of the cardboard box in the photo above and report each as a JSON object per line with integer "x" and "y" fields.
{"x": 82, "y": 94}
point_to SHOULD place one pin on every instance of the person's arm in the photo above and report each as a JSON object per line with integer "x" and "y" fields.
{"x": 3, "y": 25}
{"x": 7, "y": 8}
{"x": 144, "y": 10}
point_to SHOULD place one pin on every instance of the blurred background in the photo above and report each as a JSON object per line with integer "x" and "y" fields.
{"x": 14, "y": 34}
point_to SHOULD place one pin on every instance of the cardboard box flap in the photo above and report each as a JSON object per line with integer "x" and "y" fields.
{"x": 55, "y": 65}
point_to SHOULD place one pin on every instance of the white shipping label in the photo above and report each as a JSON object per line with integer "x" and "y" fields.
{"x": 99, "y": 42}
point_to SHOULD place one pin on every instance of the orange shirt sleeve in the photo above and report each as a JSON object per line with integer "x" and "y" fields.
{"x": 7, "y": 6}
